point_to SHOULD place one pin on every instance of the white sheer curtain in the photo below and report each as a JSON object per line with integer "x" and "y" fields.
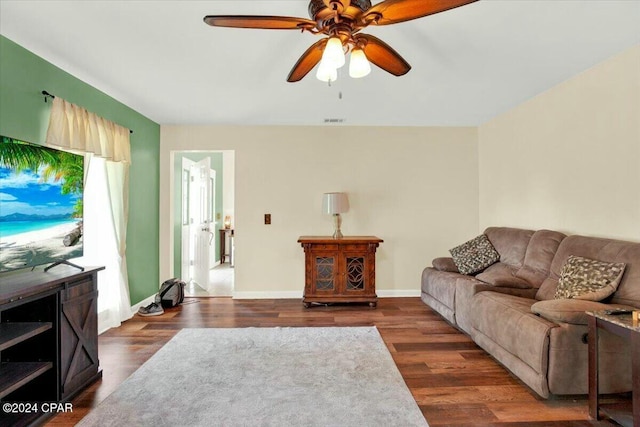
{"x": 106, "y": 200}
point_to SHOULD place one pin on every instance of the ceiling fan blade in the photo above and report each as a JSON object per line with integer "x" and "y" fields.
{"x": 394, "y": 11}
{"x": 307, "y": 61}
{"x": 259, "y": 22}
{"x": 383, "y": 55}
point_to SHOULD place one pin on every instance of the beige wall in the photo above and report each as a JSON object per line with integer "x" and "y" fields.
{"x": 416, "y": 188}
{"x": 568, "y": 159}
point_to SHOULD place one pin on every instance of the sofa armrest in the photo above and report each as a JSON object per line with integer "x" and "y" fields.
{"x": 445, "y": 264}
{"x": 569, "y": 310}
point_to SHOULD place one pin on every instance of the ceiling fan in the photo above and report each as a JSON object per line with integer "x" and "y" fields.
{"x": 342, "y": 21}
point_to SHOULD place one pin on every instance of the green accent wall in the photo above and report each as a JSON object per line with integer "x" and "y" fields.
{"x": 216, "y": 164}
{"x": 24, "y": 115}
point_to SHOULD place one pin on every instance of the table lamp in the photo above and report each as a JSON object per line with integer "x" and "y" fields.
{"x": 335, "y": 204}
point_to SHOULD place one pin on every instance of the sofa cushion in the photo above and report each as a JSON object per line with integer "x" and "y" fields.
{"x": 444, "y": 264}
{"x": 540, "y": 252}
{"x": 547, "y": 290}
{"x": 567, "y": 310}
{"x": 511, "y": 243}
{"x": 608, "y": 250}
{"x": 588, "y": 279}
{"x": 502, "y": 275}
{"x": 474, "y": 255}
{"x": 628, "y": 292}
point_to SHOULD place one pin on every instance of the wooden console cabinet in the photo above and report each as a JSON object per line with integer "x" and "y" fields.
{"x": 48, "y": 339}
{"x": 340, "y": 270}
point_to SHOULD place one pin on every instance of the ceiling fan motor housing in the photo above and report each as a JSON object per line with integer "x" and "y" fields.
{"x": 319, "y": 11}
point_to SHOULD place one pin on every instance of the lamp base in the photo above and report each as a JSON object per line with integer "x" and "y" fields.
{"x": 337, "y": 222}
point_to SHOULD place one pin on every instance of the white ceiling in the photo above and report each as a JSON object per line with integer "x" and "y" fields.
{"x": 469, "y": 64}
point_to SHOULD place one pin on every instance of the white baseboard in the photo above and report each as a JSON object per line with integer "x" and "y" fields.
{"x": 396, "y": 293}
{"x": 145, "y": 302}
{"x": 268, "y": 295}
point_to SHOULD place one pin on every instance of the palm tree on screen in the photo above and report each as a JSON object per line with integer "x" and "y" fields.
{"x": 52, "y": 164}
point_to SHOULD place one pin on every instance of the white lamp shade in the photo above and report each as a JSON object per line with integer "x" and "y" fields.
{"x": 333, "y": 54}
{"x": 358, "y": 64}
{"x": 335, "y": 203}
{"x": 326, "y": 73}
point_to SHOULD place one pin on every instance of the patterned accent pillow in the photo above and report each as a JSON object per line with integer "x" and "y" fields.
{"x": 474, "y": 255}
{"x": 588, "y": 279}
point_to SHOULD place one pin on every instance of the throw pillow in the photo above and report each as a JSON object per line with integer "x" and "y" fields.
{"x": 588, "y": 279}
{"x": 475, "y": 255}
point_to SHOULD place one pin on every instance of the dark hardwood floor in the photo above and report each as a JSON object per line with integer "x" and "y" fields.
{"x": 454, "y": 382}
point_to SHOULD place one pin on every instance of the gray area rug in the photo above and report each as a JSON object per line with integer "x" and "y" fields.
{"x": 264, "y": 377}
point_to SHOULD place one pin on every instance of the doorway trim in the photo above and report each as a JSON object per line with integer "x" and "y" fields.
{"x": 227, "y": 185}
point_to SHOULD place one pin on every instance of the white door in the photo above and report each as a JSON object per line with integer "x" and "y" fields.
{"x": 212, "y": 219}
{"x": 186, "y": 272}
{"x": 200, "y": 231}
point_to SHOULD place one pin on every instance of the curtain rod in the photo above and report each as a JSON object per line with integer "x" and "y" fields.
{"x": 48, "y": 95}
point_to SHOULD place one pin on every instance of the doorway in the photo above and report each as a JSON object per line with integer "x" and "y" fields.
{"x": 202, "y": 197}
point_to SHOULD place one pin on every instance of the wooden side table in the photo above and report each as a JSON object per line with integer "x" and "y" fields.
{"x": 340, "y": 270}
{"x": 621, "y": 325}
{"x": 223, "y": 243}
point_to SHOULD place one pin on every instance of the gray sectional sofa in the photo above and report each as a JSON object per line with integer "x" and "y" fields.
{"x": 509, "y": 309}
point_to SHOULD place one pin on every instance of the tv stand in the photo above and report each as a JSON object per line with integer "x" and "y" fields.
{"x": 48, "y": 338}
{"x": 63, "y": 262}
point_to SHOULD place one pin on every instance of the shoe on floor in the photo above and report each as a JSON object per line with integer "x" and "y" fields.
{"x": 153, "y": 309}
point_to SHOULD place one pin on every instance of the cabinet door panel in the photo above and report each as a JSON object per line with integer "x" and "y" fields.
{"x": 79, "y": 341}
{"x": 355, "y": 279}
{"x": 324, "y": 274}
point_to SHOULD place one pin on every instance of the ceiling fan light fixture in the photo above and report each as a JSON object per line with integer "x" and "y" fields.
{"x": 333, "y": 53}
{"x": 358, "y": 64}
{"x": 326, "y": 72}
{"x": 340, "y": 22}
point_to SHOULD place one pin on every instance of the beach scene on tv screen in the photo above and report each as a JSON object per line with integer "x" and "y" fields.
{"x": 40, "y": 205}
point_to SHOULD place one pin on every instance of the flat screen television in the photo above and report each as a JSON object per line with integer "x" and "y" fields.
{"x": 40, "y": 205}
